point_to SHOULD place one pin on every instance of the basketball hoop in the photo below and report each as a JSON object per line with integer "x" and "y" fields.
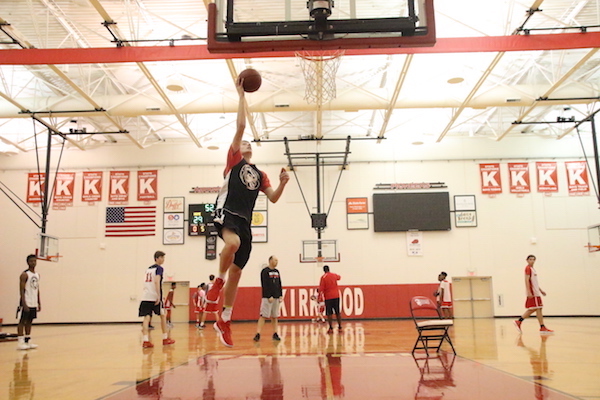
{"x": 592, "y": 248}
{"x": 320, "y": 260}
{"x": 319, "y": 69}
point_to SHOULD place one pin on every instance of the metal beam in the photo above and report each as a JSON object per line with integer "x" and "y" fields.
{"x": 487, "y": 44}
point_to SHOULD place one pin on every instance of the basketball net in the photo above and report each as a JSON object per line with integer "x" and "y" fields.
{"x": 319, "y": 69}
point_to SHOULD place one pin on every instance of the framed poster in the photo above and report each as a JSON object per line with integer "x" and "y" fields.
{"x": 174, "y": 204}
{"x": 357, "y": 221}
{"x": 173, "y": 220}
{"x": 259, "y": 234}
{"x": 173, "y": 236}
{"x": 465, "y": 219}
{"x": 464, "y": 202}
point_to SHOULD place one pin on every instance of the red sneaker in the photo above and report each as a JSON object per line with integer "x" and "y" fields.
{"x": 518, "y": 325}
{"x": 224, "y": 331}
{"x": 330, "y": 331}
{"x": 168, "y": 341}
{"x": 546, "y": 331}
{"x": 212, "y": 295}
{"x": 147, "y": 344}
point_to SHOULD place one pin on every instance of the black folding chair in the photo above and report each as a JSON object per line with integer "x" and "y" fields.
{"x": 431, "y": 327}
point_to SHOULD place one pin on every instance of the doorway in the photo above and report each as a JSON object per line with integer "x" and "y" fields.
{"x": 180, "y": 313}
{"x": 472, "y": 297}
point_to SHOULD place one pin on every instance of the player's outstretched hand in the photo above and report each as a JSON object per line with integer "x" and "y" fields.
{"x": 284, "y": 177}
{"x": 239, "y": 85}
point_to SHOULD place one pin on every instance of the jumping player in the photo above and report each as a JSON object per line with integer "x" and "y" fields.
{"x": 234, "y": 207}
{"x": 534, "y": 297}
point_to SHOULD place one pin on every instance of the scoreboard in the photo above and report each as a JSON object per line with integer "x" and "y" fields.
{"x": 200, "y": 219}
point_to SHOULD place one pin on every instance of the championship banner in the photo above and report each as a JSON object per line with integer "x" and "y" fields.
{"x": 35, "y": 187}
{"x": 118, "y": 187}
{"x": 577, "y": 177}
{"x": 147, "y": 185}
{"x": 64, "y": 188}
{"x": 547, "y": 176}
{"x": 518, "y": 174}
{"x": 491, "y": 183}
{"x": 92, "y": 186}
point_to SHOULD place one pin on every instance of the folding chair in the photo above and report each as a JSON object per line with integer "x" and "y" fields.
{"x": 430, "y": 325}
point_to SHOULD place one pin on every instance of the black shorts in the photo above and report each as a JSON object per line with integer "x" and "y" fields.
{"x": 148, "y": 308}
{"x": 332, "y": 306}
{"x": 28, "y": 316}
{"x": 242, "y": 228}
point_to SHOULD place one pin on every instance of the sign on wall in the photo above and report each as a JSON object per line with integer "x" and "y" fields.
{"x": 91, "y": 189}
{"x": 547, "y": 176}
{"x": 577, "y": 178}
{"x": 518, "y": 175}
{"x": 491, "y": 183}
{"x": 118, "y": 188}
{"x": 147, "y": 185}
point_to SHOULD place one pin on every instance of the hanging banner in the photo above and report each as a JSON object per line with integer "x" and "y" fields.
{"x": 518, "y": 174}
{"x": 118, "y": 187}
{"x": 147, "y": 185}
{"x": 92, "y": 186}
{"x": 64, "y": 188}
{"x": 35, "y": 187}
{"x": 490, "y": 178}
{"x": 577, "y": 177}
{"x": 547, "y": 176}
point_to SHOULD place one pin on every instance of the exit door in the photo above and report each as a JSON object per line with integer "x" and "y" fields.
{"x": 472, "y": 297}
{"x": 179, "y": 313}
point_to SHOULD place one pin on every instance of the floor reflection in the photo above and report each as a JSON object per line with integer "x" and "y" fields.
{"x": 539, "y": 365}
{"x": 21, "y": 386}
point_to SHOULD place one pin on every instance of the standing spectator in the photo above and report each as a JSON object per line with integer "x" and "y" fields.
{"x": 444, "y": 296}
{"x": 534, "y": 297}
{"x": 29, "y": 303}
{"x": 270, "y": 281}
{"x": 198, "y": 301}
{"x": 169, "y": 303}
{"x": 233, "y": 215}
{"x": 211, "y": 282}
{"x": 152, "y": 300}
{"x": 331, "y": 293}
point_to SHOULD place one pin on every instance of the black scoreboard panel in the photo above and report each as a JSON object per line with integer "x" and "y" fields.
{"x": 200, "y": 219}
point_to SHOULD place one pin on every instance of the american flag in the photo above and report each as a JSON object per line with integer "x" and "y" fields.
{"x": 130, "y": 221}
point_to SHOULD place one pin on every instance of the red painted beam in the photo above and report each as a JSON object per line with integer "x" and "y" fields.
{"x": 488, "y": 44}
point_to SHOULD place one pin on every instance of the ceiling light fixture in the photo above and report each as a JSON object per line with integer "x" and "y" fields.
{"x": 455, "y": 80}
{"x": 175, "y": 85}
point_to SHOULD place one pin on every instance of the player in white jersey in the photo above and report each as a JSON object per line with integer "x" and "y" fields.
{"x": 152, "y": 300}
{"x": 29, "y": 303}
{"x": 444, "y": 296}
{"x": 533, "y": 304}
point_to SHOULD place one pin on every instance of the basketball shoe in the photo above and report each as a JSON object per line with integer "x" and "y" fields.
{"x": 168, "y": 341}
{"x": 224, "y": 331}
{"x": 546, "y": 331}
{"x": 276, "y": 336}
{"x": 147, "y": 345}
{"x": 518, "y": 325}
{"x": 212, "y": 297}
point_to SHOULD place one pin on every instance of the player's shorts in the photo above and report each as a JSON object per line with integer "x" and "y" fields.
{"x": 149, "y": 308}
{"x": 28, "y": 316}
{"x": 332, "y": 306}
{"x": 242, "y": 228}
{"x": 446, "y": 304}
{"x": 269, "y": 310}
{"x": 533, "y": 303}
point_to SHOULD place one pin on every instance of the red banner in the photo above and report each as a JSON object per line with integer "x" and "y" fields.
{"x": 357, "y": 205}
{"x": 92, "y": 186}
{"x": 577, "y": 177}
{"x": 35, "y": 187}
{"x": 519, "y": 177}
{"x": 547, "y": 176}
{"x": 118, "y": 187}
{"x": 147, "y": 185}
{"x": 491, "y": 183}
{"x": 64, "y": 188}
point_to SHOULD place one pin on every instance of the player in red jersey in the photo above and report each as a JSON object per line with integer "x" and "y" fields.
{"x": 534, "y": 297}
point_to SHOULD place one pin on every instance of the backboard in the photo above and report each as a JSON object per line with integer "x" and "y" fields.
{"x": 241, "y": 26}
{"x": 48, "y": 248}
{"x": 593, "y": 238}
{"x": 319, "y": 251}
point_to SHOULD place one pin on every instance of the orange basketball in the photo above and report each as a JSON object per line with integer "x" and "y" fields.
{"x": 252, "y": 80}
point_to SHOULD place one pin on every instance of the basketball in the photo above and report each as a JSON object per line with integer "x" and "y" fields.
{"x": 252, "y": 80}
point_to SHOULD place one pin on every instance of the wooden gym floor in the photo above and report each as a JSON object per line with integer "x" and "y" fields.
{"x": 368, "y": 360}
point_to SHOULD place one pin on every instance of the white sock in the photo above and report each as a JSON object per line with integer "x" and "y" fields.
{"x": 222, "y": 275}
{"x": 146, "y": 338}
{"x": 165, "y": 335}
{"x": 226, "y": 314}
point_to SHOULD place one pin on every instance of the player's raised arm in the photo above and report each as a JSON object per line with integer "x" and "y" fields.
{"x": 274, "y": 194}
{"x": 241, "y": 117}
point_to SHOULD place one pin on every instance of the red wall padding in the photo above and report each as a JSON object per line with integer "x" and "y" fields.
{"x": 361, "y": 302}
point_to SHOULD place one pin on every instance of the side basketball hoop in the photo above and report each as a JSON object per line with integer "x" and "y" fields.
{"x": 319, "y": 69}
